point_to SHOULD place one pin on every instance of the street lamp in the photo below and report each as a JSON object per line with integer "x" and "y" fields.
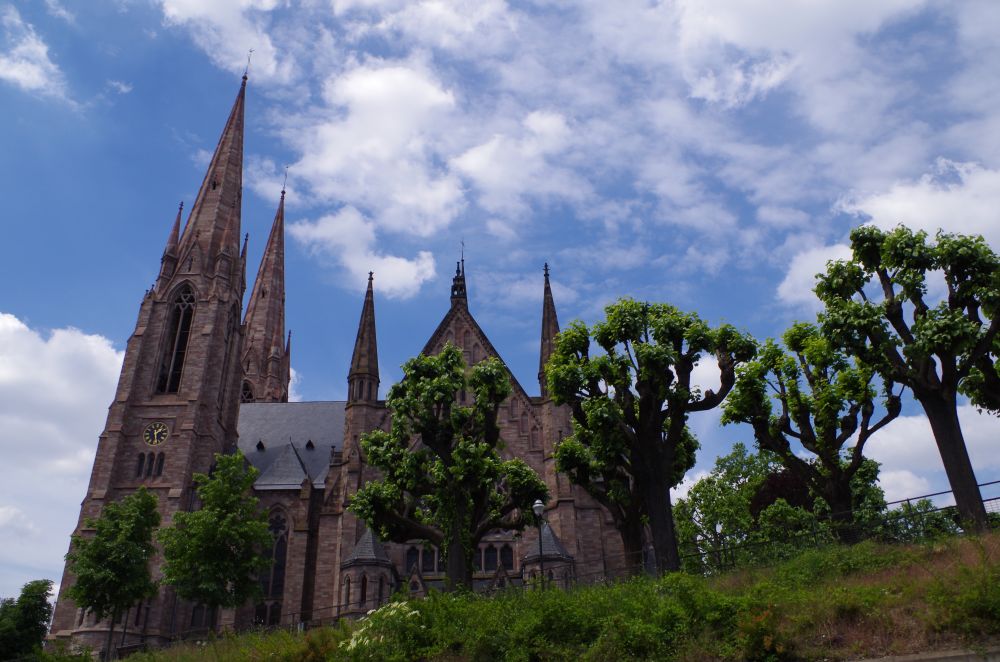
{"x": 539, "y": 509}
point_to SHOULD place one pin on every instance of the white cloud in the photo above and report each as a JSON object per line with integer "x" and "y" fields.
{"x": 797, "y": 287}
{"x": 24, "y": 57}
{"x": 54, "y": 394}
{"x": 294, "y": 383}
{"x": 902, "y": 484}
{"x": 375, "y": 144}
{"x": 906, "y": 448}
{"x": 56, "y": 9}
{"x": 227, "y": 29}
{"x": 956, "y": 197}
{"x": 349, "y": 239}
{"x": 680, "y": 491}
{"x": 121, "y": 87}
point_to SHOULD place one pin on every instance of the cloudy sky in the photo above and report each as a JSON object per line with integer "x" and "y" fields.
{"x": 709, "y": 154}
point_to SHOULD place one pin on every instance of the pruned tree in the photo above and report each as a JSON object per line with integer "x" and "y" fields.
{"x": 213, "y": 555}
{"x": 111, "y": 566}
{"x": 878, "y": 306}
{"x": 24, "y": 621}
{"x": 443, "y": 477}
{"x": 631, "y": 404}
{"x": 825, "y": 401}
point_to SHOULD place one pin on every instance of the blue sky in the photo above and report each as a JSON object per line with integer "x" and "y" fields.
{"x": 709, "y": 154}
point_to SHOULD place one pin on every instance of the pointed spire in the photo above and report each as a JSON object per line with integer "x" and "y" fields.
{"x": 265, "y": 318}
{"x": 174, "y": 237}
{"x": 458, "y": 291}
{"x": 550, "y": 327}
{"x": 362, "y": 381}
{"x": 168, "y": 263}
{"x": 214, "y": 222}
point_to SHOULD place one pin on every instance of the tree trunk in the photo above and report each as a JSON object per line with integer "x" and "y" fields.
{"x": 942, "y": 413}
{"x": 841, "y": 506}
{"x": 631, "y": 532}
{"x": 459, "y": 566}
{"x": 109, "y": 653}
{"x": 661, "y": 523}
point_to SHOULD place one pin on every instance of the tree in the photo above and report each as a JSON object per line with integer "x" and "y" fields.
{"x": 877, "y": 306}
{"x": 631, "y": 405}
{"x": 825, "y": 400}
{"x": 111, "y": 567}
{"x": 213, "y": 555}
{"x": 443, "y": 479}
{"x": 24, "y": 622}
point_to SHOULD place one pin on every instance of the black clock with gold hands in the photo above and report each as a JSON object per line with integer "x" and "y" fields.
{"x": 155, "y": 433}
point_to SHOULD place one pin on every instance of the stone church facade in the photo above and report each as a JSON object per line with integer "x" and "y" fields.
{"x": 202, "y": 376}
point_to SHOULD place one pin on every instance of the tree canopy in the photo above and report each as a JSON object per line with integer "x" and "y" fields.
{"x": 443, "y": 477}
{"x": 111, "y": 567}
{"x": 938, "y": 341}
{"x": 213, "y": 555}
{"x": 24, "y": 621}
{"x": 825, "y": 401}
{"x": 630, "y": 402}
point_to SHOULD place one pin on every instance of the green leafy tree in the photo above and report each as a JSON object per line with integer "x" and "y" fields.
{"x": 630, "y": 443}
{"x": 213, "y": 555}
{"x": 111, "y": 567}
{"x": 443, "y": 479}
{"x": 719, "y": 505}
{"x": 24, "y": 621}
{"x": 824, "y": 401}
{"x": 877, "y": 306}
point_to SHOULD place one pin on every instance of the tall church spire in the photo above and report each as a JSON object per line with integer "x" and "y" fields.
{"x": 550, "y": 327}
{"x": 214, "y": 224}
{"x": 362, "y": 381}
{"x": 265, "y": 372}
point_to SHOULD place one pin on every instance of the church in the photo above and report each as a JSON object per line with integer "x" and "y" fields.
{"x": 202, "y": 375}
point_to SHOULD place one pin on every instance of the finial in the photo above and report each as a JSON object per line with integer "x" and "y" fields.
{"x": 246, "y": 240}
{"x": 463, "y": 249}
{"x": 283, "y": 182}
{"x": 247, "y": 68}
{"x": 180, "y": 208}
{"x": 371, "y": 275}
{"x": 546, "y": 269}
{"x": 458, "y": 270}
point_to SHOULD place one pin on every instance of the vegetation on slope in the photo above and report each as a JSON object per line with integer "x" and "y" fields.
{"x": 842, "y": 602}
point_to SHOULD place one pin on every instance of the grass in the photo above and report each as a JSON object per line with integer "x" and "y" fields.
{"x": 868, "y": 600}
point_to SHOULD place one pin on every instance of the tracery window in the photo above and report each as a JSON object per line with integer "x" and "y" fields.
{"x": 272, "y": 580}
{"x": 176, "y": 341}
{"x": 246, "y": 394}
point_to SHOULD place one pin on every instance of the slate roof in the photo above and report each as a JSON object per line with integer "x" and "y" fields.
{"x": 275, "y": 425}
{"x": 368, "y": 550}
{"x": 551, "y": 546}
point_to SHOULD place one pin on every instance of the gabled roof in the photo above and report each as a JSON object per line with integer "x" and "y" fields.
{"x": 552, "y": 547}
{"x": 367, "y": 551}
{"x": 461, "y": 312}
{"x": 286, "y": 472}
{"x": 275, "y": 425}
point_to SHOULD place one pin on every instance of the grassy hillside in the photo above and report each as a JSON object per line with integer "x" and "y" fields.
{"x": 837, "y": 603}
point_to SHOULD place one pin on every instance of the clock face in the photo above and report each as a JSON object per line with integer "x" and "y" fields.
{"x": 155, "y": 433}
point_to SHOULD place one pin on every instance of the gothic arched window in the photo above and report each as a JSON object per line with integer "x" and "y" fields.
{"x": 176, "y": 341}
{"x": 364, "y": 591}
{"x": 427, "y": 561}
{"x": 150, "y": 461}
{"x": 490, "y": 558}
{"x": 524, "y": 422}
{"x": 232, "y": 326}
{"x": 412, "y": 558}
{"x": 246, "y": 394}
{"x": 159, "y": 465}
{"x": 507, "y": 557}
{"x": 139, "y": 466}
{"x": 272, "y": 580}
{"x": 347, "y": 591}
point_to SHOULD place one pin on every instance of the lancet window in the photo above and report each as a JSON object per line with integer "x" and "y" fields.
{"x": 176, "y": 341}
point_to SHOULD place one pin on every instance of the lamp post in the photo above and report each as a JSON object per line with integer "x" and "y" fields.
{"x": 539, "y": 509}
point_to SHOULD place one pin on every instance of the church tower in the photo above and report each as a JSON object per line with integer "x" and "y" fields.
{"x": 178, "y": 394}
{"x": 266, "y": 351}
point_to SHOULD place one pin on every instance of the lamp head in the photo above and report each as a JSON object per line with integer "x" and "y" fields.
{"x": 538, "y": 507}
